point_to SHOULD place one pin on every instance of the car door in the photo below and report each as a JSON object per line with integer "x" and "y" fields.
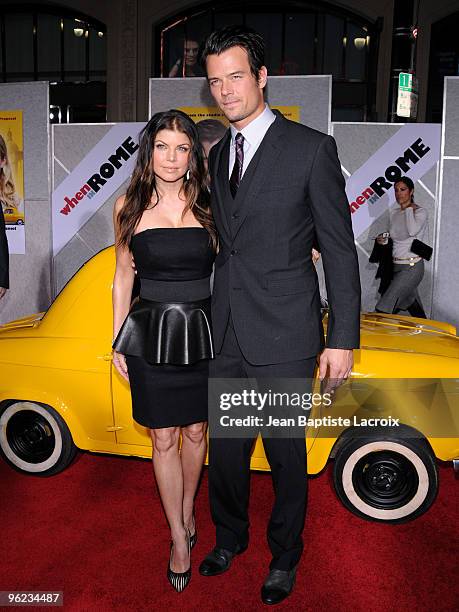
{"x": 126, "y": 429}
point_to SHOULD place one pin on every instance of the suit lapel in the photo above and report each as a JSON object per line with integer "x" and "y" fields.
{"x": 220, "y": 175}
{"x": 264, "y": 161}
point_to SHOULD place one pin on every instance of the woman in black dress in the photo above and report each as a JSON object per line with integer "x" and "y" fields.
{"x": 163, "y": 341}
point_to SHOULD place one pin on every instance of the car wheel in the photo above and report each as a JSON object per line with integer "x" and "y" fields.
{"x": 382, "y": 478}
{"x": 35, "y": 439}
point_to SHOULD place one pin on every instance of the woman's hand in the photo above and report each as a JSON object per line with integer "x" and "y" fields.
{"x": 119, "y": 361}
{"x": 175, "y": 69}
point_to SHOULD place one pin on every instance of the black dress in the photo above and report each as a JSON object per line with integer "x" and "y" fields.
{"x": 166, "y": 336}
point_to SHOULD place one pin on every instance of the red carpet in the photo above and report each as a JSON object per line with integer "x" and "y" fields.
{"x": 97, "y": 532}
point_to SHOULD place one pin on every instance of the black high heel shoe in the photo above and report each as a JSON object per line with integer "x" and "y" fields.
{"x": 180, "y": 580}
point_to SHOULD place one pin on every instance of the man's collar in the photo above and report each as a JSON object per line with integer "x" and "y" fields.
{"x": 255, "y": 128}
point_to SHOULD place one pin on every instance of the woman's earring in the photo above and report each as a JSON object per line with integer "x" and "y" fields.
{"x": 188, "y": 175}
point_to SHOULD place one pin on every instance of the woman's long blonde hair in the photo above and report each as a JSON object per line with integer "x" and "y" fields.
{"x": 7, "y": 187}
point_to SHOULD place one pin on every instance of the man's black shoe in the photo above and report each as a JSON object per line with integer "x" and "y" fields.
{"x": 277, "y": 586}
{"x": 218, "y": 561}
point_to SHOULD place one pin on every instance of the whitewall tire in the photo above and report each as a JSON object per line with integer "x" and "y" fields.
{"x": 35, "y": 439}
{"x": 387, "y": 479}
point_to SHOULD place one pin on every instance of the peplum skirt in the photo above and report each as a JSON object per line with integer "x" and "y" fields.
{"x": 167, "y": 346}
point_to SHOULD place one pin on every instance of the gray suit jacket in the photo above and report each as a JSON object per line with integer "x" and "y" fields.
{"x": 292, "y": 191}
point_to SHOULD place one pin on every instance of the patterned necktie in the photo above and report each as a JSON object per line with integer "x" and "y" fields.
{"x": 236, "y": 174}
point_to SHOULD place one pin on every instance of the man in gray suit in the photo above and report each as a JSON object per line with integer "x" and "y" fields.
{"x": 276, "y": 185}
{"x": 4, "y": 276}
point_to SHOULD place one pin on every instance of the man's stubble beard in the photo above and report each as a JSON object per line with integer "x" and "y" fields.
{"x": 239, "y": 117}
{"x": 242, "y": 115}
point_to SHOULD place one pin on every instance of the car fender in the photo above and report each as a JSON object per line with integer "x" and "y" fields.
{"x": 75, "y": 424}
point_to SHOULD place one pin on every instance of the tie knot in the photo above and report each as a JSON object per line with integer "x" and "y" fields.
{"x": 239, "y": 138}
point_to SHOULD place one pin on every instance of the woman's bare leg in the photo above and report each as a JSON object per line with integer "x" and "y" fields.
{"x": 169, "y": 477}
{"x": 194, "y": 445}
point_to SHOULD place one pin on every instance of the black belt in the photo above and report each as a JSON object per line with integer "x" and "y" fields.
{"x": 175, "y": 291}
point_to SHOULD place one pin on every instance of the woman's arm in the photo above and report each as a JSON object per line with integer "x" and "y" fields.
{"x": 174, "y": 71}
{"x": 123, "y": 282}
{"x": 415, "y": 219}
{"x": 124, "y": 276}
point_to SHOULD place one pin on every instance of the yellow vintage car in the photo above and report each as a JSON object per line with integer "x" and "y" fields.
{"x": 13, "y": 216}
{"x": 59, "y": 392}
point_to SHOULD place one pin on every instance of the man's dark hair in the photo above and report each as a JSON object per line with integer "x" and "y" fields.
{"x": 408, "y": 182}
{"x": 236, "y": 36}
{"x": 405, "y": 179}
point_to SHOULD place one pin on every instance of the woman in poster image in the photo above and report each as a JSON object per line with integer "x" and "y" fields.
{"x": 8, "y": 198}
{"x": 8, "y": 195}
{"x": 407, "y": 222}
{"x": 210, "y": 132}
{"x": 163, "y": 341}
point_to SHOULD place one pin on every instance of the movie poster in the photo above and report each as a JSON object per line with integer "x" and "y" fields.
{"x": 201, "y": 113}
{"x": 12, "y": 178}
{"x": 212, "y": 123}
{"x": 92, "y": 181}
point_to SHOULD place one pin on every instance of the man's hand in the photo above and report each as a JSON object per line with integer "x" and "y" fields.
{"x": 119, "y": 361}
{"x": 2, "y": 292}
{"x": 335, "y": 365}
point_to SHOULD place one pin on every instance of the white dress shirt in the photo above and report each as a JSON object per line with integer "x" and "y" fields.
{"x": 253, "y": 134}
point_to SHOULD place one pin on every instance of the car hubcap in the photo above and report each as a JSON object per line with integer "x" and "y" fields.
{"x": 385, "y": 480}
{"x": 30, "y": 436}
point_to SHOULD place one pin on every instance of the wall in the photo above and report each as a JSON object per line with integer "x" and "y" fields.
{"x": 446, "y": 282}
{"x": 430, "y": 11}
